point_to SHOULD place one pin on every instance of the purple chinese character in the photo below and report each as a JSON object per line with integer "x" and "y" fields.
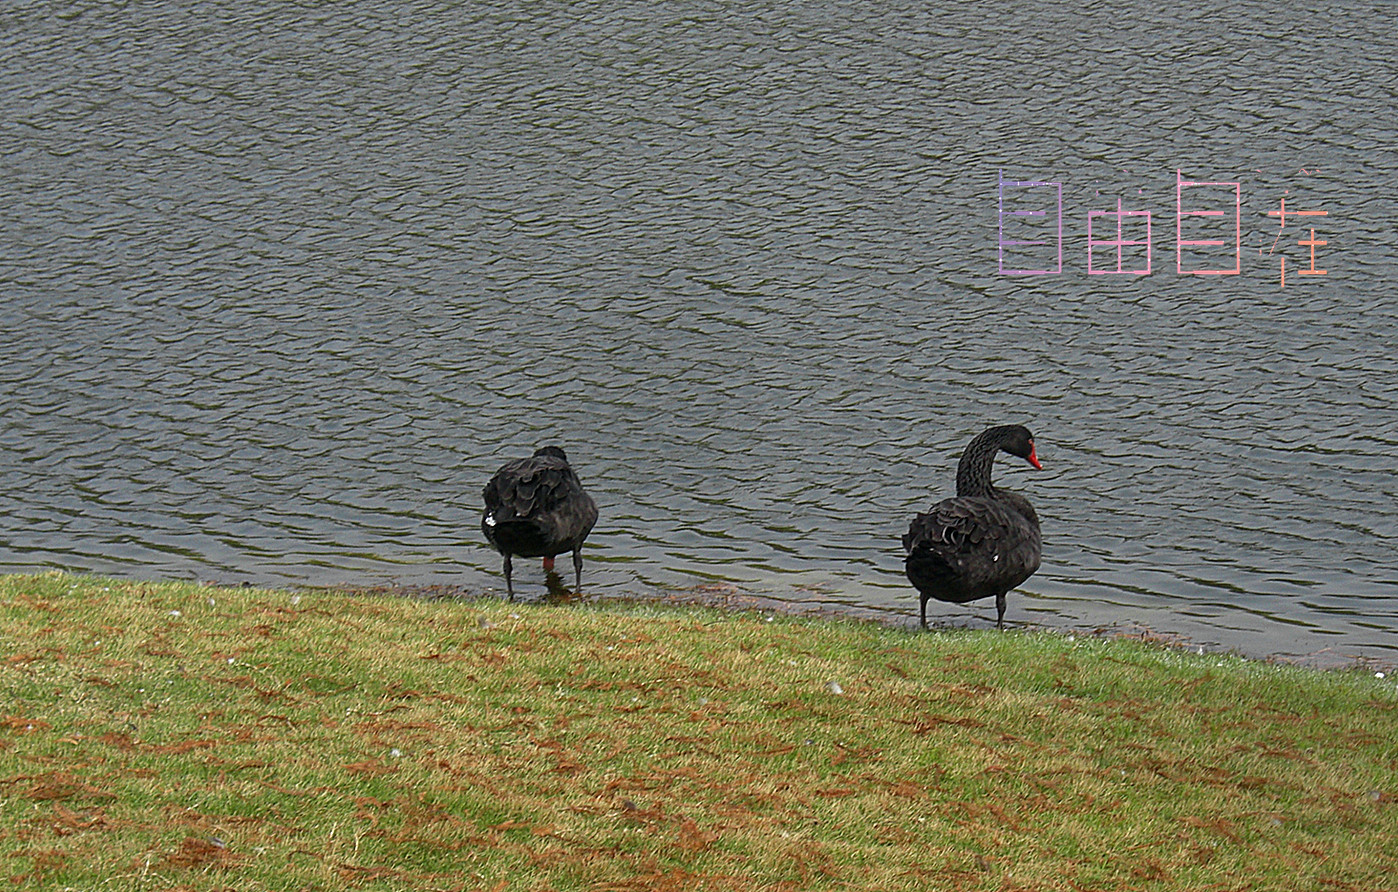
{"x": 1031, "y": 215}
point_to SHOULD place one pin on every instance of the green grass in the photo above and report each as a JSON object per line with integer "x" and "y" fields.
{"x": 172, "y": 736}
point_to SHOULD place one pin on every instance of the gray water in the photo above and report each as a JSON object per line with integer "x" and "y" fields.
{"x": 282, "y": 284}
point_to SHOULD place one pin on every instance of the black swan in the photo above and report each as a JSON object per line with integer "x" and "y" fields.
{"x": 983, "y": 542}
{"x": 536, "y": 507}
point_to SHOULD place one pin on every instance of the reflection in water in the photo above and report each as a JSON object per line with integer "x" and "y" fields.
{"x": 281, "y": 291}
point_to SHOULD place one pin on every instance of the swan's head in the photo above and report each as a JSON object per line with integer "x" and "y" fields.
{"x": 1017, "y": 441}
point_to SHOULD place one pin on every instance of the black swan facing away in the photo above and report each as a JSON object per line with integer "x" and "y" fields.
{"x": 983, "y": 542}
{"x": 536, "y": 507}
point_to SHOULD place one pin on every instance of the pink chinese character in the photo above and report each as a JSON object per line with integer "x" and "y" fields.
{"x": 1120, "y": 243}
{"x": 1209, "y": 223}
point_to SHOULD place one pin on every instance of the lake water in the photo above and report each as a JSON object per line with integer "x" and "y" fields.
{"x": 281, "y": 286}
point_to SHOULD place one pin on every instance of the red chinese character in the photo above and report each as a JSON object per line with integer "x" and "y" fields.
{"x": 1311, "y": 243}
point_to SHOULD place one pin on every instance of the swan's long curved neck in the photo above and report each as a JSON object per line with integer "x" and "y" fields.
{"x": 973, "y": 473}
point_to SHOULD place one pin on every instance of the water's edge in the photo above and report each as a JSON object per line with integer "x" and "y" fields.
{"x": 729, "y": 598}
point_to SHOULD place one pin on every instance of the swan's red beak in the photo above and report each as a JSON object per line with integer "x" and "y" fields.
{"x": 1034, "y": 458}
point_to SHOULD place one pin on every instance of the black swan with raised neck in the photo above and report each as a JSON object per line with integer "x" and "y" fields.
{"x": 985, "y": 540}
{"x": 536, "y": 507}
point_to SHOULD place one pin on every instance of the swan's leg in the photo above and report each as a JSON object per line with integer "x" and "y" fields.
{"x": 924, "y": 611}
{"x": 577, "y": 570}
{"x": 1000, "y": 611}
{"x": 509, "y": 586}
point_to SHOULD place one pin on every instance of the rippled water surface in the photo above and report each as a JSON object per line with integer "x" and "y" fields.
{"x": 280, "y": 287}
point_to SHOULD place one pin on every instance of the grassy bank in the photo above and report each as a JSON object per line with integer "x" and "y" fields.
{"x": 170, "y": 736}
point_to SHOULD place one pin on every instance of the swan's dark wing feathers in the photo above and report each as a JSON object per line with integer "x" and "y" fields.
{"x": 971, "y": 547}
{"x": 529, "y": 487}
{"x": 522, "y": 495}
{"x": 536, "y": 507}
